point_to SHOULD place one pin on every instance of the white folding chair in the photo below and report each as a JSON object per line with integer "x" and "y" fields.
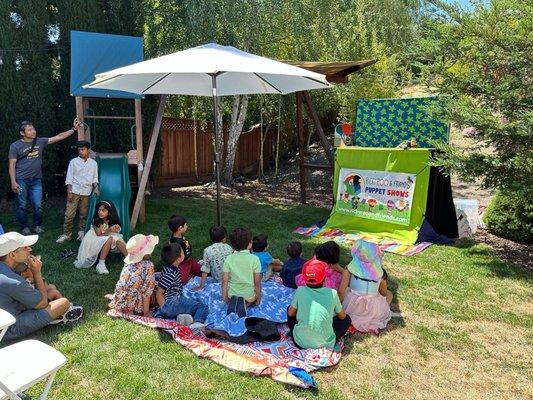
{"x": 25, "y": 363}
{"x": 6, "y": 320}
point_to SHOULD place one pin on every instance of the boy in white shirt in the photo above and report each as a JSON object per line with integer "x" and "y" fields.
{"x": 82, "y": 179}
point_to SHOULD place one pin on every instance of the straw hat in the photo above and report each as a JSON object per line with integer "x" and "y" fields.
{"x": 366, "y": 261}
{"x": 140, "y": 245}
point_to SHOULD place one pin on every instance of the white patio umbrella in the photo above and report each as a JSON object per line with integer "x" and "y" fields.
{"x": 210, "y": 70}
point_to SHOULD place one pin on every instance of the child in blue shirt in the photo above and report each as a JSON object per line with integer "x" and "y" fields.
{"x": 268, "y": 263}
{"x": 293, "y": 266}
{"x": 169, "y": 294}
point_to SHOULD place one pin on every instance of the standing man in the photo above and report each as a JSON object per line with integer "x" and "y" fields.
{"x": 25, "y": 172}
{"x": 82, "y": 179}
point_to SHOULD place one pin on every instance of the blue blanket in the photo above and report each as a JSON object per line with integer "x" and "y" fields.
{"x": 274, "y": 302}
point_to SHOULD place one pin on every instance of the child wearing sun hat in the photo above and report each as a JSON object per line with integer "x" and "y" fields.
{"x": 136, "y": 283}
{"x": 315, "y": 317}
{"x": 363, "y": 289}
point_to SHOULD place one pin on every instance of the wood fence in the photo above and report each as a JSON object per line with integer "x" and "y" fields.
{"x": 187, "y": 152}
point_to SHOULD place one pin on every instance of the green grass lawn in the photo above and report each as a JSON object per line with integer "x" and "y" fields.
{"x": 466, "y": 332}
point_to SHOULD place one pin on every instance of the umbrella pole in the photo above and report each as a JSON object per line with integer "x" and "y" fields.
{"x": 217, "y": 155}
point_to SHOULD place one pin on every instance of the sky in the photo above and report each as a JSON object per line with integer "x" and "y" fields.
{"x": 466, "y": 3}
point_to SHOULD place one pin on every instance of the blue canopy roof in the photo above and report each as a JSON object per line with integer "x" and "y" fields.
{"x": 92, "y": 53}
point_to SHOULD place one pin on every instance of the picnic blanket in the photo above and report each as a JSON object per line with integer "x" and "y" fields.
{"x": 281, "y": 360}
{"x": 339, "y": 236}
{"x": 274, "y": 302}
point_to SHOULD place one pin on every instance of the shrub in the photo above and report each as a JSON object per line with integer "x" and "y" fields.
{"x": 511, "y": 216}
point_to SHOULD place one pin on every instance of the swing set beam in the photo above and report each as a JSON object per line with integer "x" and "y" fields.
{"x": 335, "y": 72}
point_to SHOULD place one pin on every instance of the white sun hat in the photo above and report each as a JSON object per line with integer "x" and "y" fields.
{"x": 140, "y": 245}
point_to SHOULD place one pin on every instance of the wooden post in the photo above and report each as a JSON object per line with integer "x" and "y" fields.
{"x": 318, "y": 126}
{"x": 80, "y": 116}
{"x": 195, "y": 151}
{"x": 149, "y": 159}
{"x": 301, "y": 150}
{"x": 140, "y": 152}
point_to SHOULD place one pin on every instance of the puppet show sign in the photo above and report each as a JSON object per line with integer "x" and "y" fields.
{"x": 377, "y": 195}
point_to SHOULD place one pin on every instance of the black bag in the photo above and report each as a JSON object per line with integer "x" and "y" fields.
{"x": 33, "y": 143}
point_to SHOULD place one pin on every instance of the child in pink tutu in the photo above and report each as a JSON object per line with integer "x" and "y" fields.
{"x": 328, "y": 252}
{"x": 363, "y": 289}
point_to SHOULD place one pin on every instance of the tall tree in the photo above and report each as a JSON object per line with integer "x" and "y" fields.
{"x": 482, "y": 60}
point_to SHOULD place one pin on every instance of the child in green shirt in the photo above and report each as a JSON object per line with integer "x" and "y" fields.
{"x": 315, "y": 317}
{"x": 241, "y": 281}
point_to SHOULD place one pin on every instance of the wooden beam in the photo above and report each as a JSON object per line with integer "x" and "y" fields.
{"x": 80, "y": 116}
{"x": 110, "y": 116}
{"x": 317, "y": 166}
{"x": 140, "y": 152}
{"x": 337, "y": 78}
{"x": 318, "y": 126}
{"x": 301, "y": 144}
{"x": 149, "y": 159}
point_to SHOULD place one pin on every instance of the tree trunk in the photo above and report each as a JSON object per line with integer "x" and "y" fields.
{"x": 238, "y": 115}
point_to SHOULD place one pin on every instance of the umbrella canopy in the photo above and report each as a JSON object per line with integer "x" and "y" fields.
{"x": 190, "y": 72}
{"x": 209, "y": 70}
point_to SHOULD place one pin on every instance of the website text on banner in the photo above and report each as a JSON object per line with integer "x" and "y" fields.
{"x": 376, "y": 195}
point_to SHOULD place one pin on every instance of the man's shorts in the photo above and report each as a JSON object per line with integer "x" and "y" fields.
{"x": 27, "y": 322}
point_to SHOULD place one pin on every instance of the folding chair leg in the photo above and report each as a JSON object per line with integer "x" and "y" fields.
{"x": 12, "y": 395}
{"x": 48, "y": 386}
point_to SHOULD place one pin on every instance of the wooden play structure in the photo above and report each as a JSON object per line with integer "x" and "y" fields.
{"x": 336, "y": 72}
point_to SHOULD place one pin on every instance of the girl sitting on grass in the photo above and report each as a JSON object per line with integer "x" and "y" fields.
{"x": 137, "y": 282}
{"x": 363, "y": 290}
{"x": 97, "y": 244}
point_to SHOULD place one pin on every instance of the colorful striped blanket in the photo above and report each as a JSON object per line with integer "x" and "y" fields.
{"x": 349, "y": 238}
{"x": 281, "y": 360}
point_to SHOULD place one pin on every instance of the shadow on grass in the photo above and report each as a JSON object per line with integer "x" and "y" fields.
{"x": 481, "y": 251}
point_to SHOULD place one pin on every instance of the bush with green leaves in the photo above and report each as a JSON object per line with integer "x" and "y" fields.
{"x": 481, "y": 60}
{"x": 511, "y": 216}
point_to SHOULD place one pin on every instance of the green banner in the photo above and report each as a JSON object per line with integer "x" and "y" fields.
{"x": 380, "y": 191}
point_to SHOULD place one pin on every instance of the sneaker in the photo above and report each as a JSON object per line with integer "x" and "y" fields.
{"x": 26, "y": 231}
{"x": 38, "y": 229}
{"x": 197, "y": 327}
{"x": 101, "y": 269}
{"x": 81, "y": 234}
{"x": 73, "y": 314}
{"x": 185, "y": 319}
{"x": 63, "y": 238}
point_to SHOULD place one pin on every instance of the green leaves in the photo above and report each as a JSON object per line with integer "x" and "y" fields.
{"x": 483, "y": 60}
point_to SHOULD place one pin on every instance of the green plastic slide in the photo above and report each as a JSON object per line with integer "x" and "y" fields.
{"x": 114, "y": 179}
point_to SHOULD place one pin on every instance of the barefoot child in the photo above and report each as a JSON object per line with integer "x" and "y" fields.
{"x": 178, "y": 226}
{"x": 137, "y": 282}
{"x": 241, "y": 281}
{"x": 215, "y": 255}
{"x": 315, "y": 317}
{"x": 363, "y": 290}
{"x": 169, "y": 293}
{"x": 269, "y": 264}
